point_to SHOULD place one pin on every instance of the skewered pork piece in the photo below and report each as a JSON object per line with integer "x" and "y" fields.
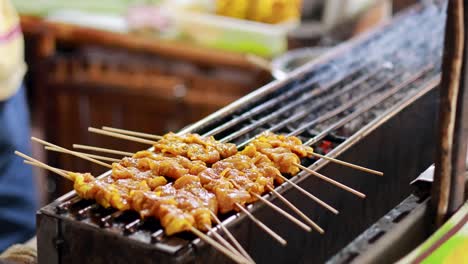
{"x": 294, "y": 144}
{"x": 119, "y": 172}
{"x": 103, "y": 191}
{"x": 129, "y": 188}
{"x": 163, "y": 164}
{"x": 234, "y": 179}
{"x": 193, "y": 199}
{"x": 251, "y": 170}
{"x": 283, "y": 151}
{"x": 189, "y": 204}
{"x": 114, "y": 190}
{"x": 195, "y": 147}
{"x": 172, "y": 218}
{"x": 190, "y": 196}
{"x": 193, "y": 166}
{"x": 178, "y": 206}
{"x": 228, "y": 183}
{"x": 217, "y": 180}
{"x": 226, "y": 194}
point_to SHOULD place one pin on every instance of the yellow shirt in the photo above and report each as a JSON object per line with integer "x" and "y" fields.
{"x": 12, "y": 66}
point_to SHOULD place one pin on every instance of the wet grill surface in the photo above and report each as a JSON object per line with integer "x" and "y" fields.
{"x": 323, "y": 104}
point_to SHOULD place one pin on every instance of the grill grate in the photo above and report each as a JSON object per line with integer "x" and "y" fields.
{"x": 323, "y": 104}
{"x": 369, "y": 70}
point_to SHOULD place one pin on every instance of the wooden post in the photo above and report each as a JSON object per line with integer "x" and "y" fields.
{"x": 448, "y": 187}
{"x": 460, "y": 147}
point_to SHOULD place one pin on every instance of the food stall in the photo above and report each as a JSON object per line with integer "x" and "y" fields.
{"x": 327, "y": 164}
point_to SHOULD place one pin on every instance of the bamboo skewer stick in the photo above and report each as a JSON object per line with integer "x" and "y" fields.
{"x": 311, "y": 196}
{"x": 225, "y": 243}
{"x": 284, "y": 213}
{"x": 121, "y": 136}
{"x": 347, "y": 164}
{"x": 231, "y": 237}
{"x": 337, "y": 184}
{"x": 297, "y": 211}
{"x": 218, "y": 246}
{"x": 262, "y": 225}
{"x": 279, "y": 210}
{"x": 132, "y": 133}
{"x": 72, "y": 152}
{"x": 43, "y": 165}
{"x": 40, "y": 165}
{"x": 104, "y": 150}
{"x": 98, "y": 157}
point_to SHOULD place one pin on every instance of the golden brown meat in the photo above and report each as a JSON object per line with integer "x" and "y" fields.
{"x": 186, "y": 191}
{"x": 164, "y": 164}
{"x": 167, "y": 167}
{"x": 105, "y": 194}
{"x": 178, "y": 209}
{"x": 262, "y": 163}
{"x": 294, "y": 144}
{"x": 242, "y": 171}
{"x": 139, "y": 182}
{"x": 121, "y": 172}
{"x": 224, "y": 149}
{"x": 283, "y": 151}
{"x": 195, "y": 147}
{"x": 194, "y": 166}
{"x": 193, "y": 185}
{"x": 227, "y": 195}
{"x": 173, "y": 219}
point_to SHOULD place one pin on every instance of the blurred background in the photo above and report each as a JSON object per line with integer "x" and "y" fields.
{"x": 156, "y": 66}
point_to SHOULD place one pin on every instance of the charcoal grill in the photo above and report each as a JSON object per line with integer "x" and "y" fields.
{"x": 371, "y": 101}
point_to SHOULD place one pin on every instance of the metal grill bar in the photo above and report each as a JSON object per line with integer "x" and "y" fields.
{"x": 329, "y": 114}
{"x": 278, "y": 112}
{"x": 133, "y": 226}
{"x": 268, "y": 104}
{"x": 324, "y": 101}
{"x": 65, "y": 206}
{"x": 108, "y": 219}
{"x": 360, "y": 111}
{"x": 157, "y": 236}
{"x": 344, "y": 107}
{"x": 83, "y": 212}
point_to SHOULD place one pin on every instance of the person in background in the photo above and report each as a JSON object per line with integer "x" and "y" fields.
{"x": 17, "y": 189}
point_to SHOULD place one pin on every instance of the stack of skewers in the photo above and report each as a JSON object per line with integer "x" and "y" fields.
{"x": 185, "y": 181}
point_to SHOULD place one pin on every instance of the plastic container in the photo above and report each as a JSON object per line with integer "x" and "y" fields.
{"x": 237, "y": 35}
